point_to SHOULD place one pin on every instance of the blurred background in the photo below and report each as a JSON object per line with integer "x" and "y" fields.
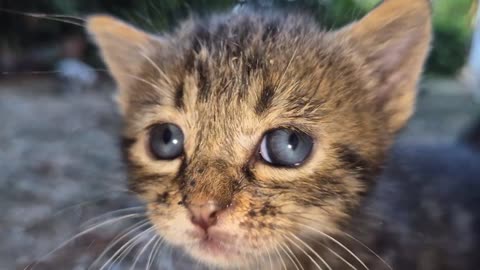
{"x": 59, "y": 162}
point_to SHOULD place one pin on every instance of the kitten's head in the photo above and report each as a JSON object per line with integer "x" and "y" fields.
{"x": 246, "y": 131}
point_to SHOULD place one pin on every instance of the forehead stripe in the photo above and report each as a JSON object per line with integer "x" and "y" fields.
{"x": 265, "y": 100}
{"x": 179, "y": 92}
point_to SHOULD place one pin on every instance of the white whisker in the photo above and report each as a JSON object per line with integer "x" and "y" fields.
{"x": 304, "y": 252}
{"x": 284, "y": 265}
{"x": 125, "y": 247}
{"x": 50, "y": 17}
{"x": 369, "y": 249}
{"x": 103, "y": 196}
{"x": 95, "y": 219}
{"x": 139, "y": 255}
{"x": 257, "y": 260}
{"x": 136, "y": 78}
{"x": 268, "y": 254}
{"x": 159, "y": 70}
{"x": 122, "y": 236}
{"x": 338, "y": 243}
{"x": 77, "y": 205}
{"x": 283, "y": 246}
{"x": 311, "y": 250}
{"x": 123, "y": 255}
{"x": 353, "y": 238}
{"x": 153, "y": 253}
{"x": 79, "y": 235}
{"x": 337, "y": 255}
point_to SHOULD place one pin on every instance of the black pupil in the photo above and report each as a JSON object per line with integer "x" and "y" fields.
{"x": 166, "y": 141}
{"x": 293, "y": 141}
{"x": 167, "y": 135}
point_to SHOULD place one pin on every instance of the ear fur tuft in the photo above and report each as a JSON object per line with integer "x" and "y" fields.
{"x": 394, "y": 40}
{"x": 123, "y": 47}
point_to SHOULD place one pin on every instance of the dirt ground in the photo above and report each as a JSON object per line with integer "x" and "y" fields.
{"x": 60, "y": 167}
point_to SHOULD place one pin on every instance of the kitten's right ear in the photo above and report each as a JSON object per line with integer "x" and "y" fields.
{"x": 124, "y": 48}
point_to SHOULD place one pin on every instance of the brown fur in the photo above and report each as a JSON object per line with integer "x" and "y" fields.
{"x": 228, "y": 79}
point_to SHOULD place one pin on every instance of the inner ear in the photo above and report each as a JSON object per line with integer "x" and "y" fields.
{"x": 394, "y": 40}
{"x": 123, "y": 47}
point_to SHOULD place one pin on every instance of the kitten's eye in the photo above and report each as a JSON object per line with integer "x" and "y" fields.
{"x": 166, "y": 141}
{"x": 284, "y": 147}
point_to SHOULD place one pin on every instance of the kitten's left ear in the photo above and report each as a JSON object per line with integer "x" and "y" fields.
{"x": 394, "y": 39}
{"x": 124, "y": 49}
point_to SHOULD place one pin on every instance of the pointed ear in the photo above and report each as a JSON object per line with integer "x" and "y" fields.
{"x": 123, "y": 48}
{"x": 394, "y": 39}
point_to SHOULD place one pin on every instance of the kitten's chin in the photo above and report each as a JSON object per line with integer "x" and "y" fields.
{"x": 218, "y": 250}
{"x": 216, "y": 254}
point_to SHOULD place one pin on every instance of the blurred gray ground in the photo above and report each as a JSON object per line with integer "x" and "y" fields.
{"x": 60, "y": 166}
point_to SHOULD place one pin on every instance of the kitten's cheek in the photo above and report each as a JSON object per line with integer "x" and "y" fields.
{"x": 173, "y": 224}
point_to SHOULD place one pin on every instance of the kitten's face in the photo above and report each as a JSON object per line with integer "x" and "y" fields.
{"x": 224, "y": 162}
{"x": 247, "y": 133}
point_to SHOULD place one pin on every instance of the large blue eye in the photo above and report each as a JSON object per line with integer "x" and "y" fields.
{"x": 166, "y": 141}
{"x": 285, "y": 147}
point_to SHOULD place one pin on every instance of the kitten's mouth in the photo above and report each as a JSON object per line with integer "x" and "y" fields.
{"x": 222, "y": 249}
{"x": 215, "y": 246}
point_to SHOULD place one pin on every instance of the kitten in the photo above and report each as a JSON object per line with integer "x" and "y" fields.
{"x": 259, "y": 140}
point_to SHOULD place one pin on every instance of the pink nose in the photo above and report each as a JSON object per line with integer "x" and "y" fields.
{"x": 204, "y": 215}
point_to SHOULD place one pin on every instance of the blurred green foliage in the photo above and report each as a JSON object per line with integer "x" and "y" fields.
{"x": 452, "y": 33}
{"x": 451, "y": 18}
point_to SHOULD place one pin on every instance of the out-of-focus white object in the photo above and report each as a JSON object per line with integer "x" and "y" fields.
{"x": 474, "y": 58}
{"x": 76, "y": 73}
